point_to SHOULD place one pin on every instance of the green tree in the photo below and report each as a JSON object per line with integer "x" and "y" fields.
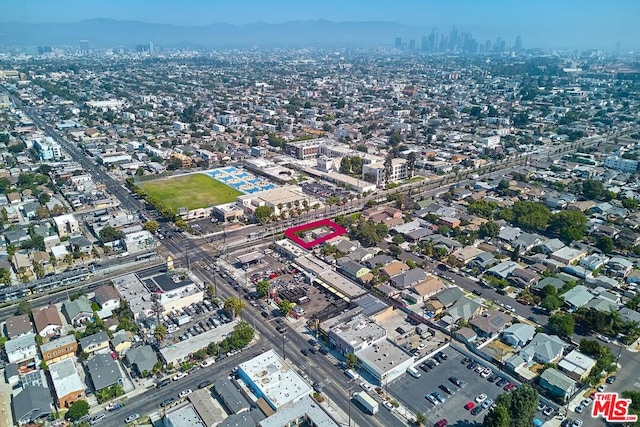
{"x": 605, "y": 244}
{"x": 151, "y": 226}
{"x": 518, "y": 407}
{"x": 561, "y": 324}
{"x": 160, "y": 332}
{"x": 551, "y": 302}
{"x": 233, "y": 306}
{"x": 398, "y": 239}
{"x": 592, "y": 189}
{"x": 77, "y": 410}
{"x": 631, "y": 204}
{"x": 420, "y": 419}
{"x": 262, "y": 288}
{"x": 351, "y": 360}
{"x": 24, "y": 307}
{"x": 569, "y": 225}
{"x": 263, "y": 213}
{"x": 285, "y": 306}
{"x": 5, "y": 276}
{"x": 531, "y": 215}
{"x": 110, "y": 234}
{"x": 345, "y": 165}
{"x": 489, "y": 229}
{"x": 499, "y": 417}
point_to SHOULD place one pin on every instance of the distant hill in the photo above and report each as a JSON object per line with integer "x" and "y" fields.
{"x": 110, "y": 33}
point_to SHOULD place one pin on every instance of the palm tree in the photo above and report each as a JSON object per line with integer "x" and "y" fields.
{"x": 420, "y": 419}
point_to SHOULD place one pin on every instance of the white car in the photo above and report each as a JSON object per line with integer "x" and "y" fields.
{"x": 365, "y": 386}
{"x": 486, "y": 373}
{"x": 185, "y": 393}
{"x": 179, "y": 376}
{"x": 601, "y": 388}
{"x": 388, "y": 405}
{"x": 206, "y": 363}
{"x": 131, "y": 418}
{"x": 481, "y": 398}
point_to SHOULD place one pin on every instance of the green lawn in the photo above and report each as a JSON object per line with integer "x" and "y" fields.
{"x": 193, "y": 191}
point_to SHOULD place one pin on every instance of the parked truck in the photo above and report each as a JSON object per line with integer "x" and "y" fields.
{"x": 368, "y": 402}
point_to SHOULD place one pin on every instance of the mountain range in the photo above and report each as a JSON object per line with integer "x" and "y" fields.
{"x": 110, "y": 33}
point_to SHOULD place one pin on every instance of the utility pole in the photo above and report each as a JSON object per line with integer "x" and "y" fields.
{"x": 283, "y": 354}
{"x": 349, "y": 399}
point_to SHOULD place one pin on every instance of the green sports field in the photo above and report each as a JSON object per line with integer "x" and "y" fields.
{"x": 193, "y": 191}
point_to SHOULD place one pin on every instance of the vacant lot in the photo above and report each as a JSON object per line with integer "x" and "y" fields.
{"x": 193, "y": 191}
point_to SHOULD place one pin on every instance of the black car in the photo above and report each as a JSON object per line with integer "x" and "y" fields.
{"x": 430, "y": 364}
{"x": 472, "y": 365}
{"x": 204, "y": 384}
{"x": 501, "y": 382}
{"x": 443, "y": 356}
{"x": 317, "y": 387}
{"x": 611, "y": 379}
{"x": 305, "y": 352}
{"x": 438, "y": 358}
{"x": 312, "y": 350}
{"x": 424, "y": 367}
{"x": 167, "y": 401}
{"x": 492, "y": 378}
{"x": 477, "y": 292}
{"x": 477, "y": 410}
{"x": 264, "y": 314}
{"x": 163, "y": 383}
{"x": 312, "y": 342}
{"x": 323, "y": 351}
{"x": 446, "y": 389}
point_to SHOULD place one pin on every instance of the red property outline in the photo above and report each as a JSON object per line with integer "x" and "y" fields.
{"x": 337, "y": 231}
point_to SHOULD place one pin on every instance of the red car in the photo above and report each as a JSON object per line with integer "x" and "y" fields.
{"x": 442, "y": 423}
{"x": 469, "y": 406}
{"x": 510, "y": 387}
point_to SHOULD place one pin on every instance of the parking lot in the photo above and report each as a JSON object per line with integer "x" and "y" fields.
{"x": 412, "y": 392}
{"x": 323, "y": 190}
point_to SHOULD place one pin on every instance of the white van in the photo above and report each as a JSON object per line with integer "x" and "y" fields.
{"x": 352, "y": 374}
{"x": 413, "y": 372}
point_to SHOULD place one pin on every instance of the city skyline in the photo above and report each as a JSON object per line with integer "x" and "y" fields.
{"x": 583, "y": 25}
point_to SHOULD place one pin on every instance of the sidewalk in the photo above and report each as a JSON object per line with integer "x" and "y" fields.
{"x": 6, "y": 416}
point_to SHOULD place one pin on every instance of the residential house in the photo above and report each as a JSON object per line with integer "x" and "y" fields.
{"x": 619, "y": 267}
{"x": 17, "y": 326}
{"x": 593, "y": 262}
{"x": 47, "y": 321}
{"x": 104, "y": 371}
{"x": 543, "y": 349}
{"x": 121, "y": 341}
{"x": 467, "y": 254}
{"x": 463, "y": 309}
{"x": 378, "y": 261}
{"x": 449, "y": 296}
{"x": 21, "y": 350}
{"x": 576, "y": 365}
{"x": 552, "y": 281}
{"x": 465, "y": 334}
{"x": 142, "y": 359}
{"x": 427, "y": 288}
{"x": 78, "y": 311}
{"x": 568, "y": 255}
{"x": 518, "y": 335}
{"x": 11, "y": 374}
{"x": 66, "y": 382}
{"x": 503, "y": 270}
{"x": 383, "y": 214}
{"x": 557, "y": 383}
{"x": 629, "y": 315}
{"x": 394, "y": 268}
{"x": 408, "y": 278}
{"x": 351, "y": 269}
{"x": 81, "y": 243}
{"x": 524, "y": 278}
{"x": 59, "y": 349}
{"x": 107, "y": 297}
{"x": 551, "y": 246}
{"x": 449, "y": 222}
{"x": 577, "y": 297}
{"x": 509, "y": 234}
{"x": 483, "y": 261}
{"x": 95, "y": 343}
{"x": 31, "y": 405}
{"x": 525, "y": 242}
{"x": 490, "y": 323}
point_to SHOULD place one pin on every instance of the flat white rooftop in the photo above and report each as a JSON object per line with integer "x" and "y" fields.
{"x": 274, "y": 379}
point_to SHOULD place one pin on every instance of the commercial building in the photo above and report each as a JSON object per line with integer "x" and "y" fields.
{"x": 355, "y": 334}
{"x": 576, "y": 365}
{"x": 182, "y": 350}
{"x": 306, "y": 412}
{"x": 279, "y": 199}
{"x": 384, "y": 361}
{"x": 47, "y": 149}
{"x": 269, "y": 377}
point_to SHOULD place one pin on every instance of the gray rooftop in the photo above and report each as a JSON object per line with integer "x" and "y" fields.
{"x": 230, "y": 395}
{"x": 104, "y": 371}
{"x": 304, "y": 407}
{"x": 30, "y": 404}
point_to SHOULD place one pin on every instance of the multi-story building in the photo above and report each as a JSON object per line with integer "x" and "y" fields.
{"x": 47, "y": 149}
{"x": 618, "y": 163}
{"x": 304, "y": 150}
{"x": 66, "y": 225}
{"x": 66, "y": 382}
{"x": 60, "y": 349}
{"x": 375, "y": 172}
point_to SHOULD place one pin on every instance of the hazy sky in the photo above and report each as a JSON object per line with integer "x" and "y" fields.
{"x": 533, "y": 19}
